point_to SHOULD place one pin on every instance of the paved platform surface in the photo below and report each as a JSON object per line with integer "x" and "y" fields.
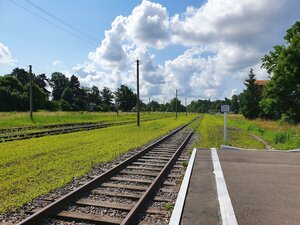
{"x": 264, "y": 188}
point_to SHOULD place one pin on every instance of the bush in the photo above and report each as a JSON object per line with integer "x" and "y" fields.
{"x": 287, "y": 136}
{"x": 65, "y": 106}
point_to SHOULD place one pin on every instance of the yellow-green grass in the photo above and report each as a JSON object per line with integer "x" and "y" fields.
{"x": 280, "y": 135}
{"x": 211, "y": 132}
{"x": 17, "y": 119}
{"x": 33, "y": 167}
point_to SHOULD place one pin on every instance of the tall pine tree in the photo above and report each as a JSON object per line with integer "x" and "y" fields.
{"x": 250, "y": 97}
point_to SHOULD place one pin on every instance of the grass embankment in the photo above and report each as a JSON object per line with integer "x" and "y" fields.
{"x": 33, "y": 167}
{"x": 17, "y": 119}
{"x": 279, "y": 135}
{"x": 211, "y": 132}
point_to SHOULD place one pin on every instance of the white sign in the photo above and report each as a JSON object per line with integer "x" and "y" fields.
{"x": 224, "y": 108}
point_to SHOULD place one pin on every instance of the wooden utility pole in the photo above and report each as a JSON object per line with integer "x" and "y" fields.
{"x": 149, "y": 106}
{"x": 163, "y": 108}
{"x": 137, "y": 93}
{"x": 176, "y": 104}
{"x": 30, "y": 92}
{"x": 185, "y": 107}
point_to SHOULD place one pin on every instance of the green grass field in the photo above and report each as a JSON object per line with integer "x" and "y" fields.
{"x": 18, "y": 119}
{"x": 281, "y": 136}
{"x": 210, "y": 129}
{"x": 33, "y": 167}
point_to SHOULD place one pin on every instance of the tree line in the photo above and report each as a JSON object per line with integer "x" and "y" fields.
{"x": 67, "y": 94}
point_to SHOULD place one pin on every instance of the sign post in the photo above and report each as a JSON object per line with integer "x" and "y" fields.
{"x": 225, "y": 109}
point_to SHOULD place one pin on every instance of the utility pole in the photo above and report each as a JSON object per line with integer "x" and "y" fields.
{"x": 149, "y": 106}
{"x": 137, "y": 93}
{"x": 185, "y": 107}
{"x": 30, "y": 91}
{"x": 176, "y": 104}
{"x": 163, "y": 108}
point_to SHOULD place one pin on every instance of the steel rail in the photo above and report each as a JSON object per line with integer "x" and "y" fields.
{"x": 62, "y": 129}
{"x": 56, "y": 206}
{"x": 132, "y": 215}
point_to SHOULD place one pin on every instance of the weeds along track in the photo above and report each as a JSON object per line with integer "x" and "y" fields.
{"x": 138, "y": 190}
{"x": 21, "y": 133}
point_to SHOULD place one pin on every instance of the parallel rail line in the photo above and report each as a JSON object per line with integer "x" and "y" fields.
{"x": 138, "y": 178}
{"x": 56, "y": 129}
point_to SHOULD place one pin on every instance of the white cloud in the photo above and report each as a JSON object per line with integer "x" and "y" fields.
{"x": 57, "y": 62}
{"x": 111, "y": 53}
{"x": 5, "y": 55}
{"x": 225, "y": 38}
{"x": 149, "y": 25}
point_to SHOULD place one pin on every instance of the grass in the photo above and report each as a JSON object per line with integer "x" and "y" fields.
{"x": 33, "y": 167}
{"x": 169, "y": 206}
{"x": 17, "y": 119}
{"x": 210, "y": 129}
{"x": 281, "y": 136}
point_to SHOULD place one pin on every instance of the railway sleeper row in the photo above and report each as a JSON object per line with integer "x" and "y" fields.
{"x": 130, "y": 193}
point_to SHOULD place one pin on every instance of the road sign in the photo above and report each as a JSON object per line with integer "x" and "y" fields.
{"x": 225, "y": 108}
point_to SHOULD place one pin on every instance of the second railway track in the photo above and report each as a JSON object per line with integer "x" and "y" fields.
{"x": 131, "y": 192}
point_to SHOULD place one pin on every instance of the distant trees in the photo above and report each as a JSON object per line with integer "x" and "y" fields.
{"x": 14, "y": 91}
{"x": 125, "y": 98}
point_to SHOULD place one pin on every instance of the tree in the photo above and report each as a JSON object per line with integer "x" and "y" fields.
{"x": 281, "y": 96}
{"x": 21, "y": 75}
{"x": 107, "y": 97}
{"x": 58, "y": 82}
{"x": 154, "y": 106}
{"x": 250, "y": 97}
{"x": 125, "y": 98}
{"x": 42, "y": 82}
{"x": 93, "y": 95}
{"x": 235, "y": 105}
{"x": 12, "y": 95}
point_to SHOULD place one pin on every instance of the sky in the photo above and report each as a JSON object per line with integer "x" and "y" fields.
{"x": 204, "y": 49}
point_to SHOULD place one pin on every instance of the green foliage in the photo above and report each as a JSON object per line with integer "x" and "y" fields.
{"x": 169, "y": 206}
{"x": 210, "y": 129}
{"x": 235, "y": 104}
{"x": 278, "y": 134}
{"x": 33, "y": 167}
{"x": 286, "y": 136}
{"x": 125, "y": 98}
{"x": 283, "y": 65}
{"x": 250, "y": 97}
{"x": 58, "y": 82}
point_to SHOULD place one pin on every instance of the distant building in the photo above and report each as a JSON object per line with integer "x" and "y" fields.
{"x": 261, "y": 84}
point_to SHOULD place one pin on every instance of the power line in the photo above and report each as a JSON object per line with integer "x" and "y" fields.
{"x": 61, "y": 21}
{"x": 54, "y": 24}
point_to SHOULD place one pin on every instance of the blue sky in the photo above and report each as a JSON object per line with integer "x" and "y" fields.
{"x": 203, "y": 48}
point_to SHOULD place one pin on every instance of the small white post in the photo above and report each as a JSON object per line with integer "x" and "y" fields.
{"x": 225, "y": 131}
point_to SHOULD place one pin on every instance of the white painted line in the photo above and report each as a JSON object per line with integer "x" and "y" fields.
{"x": 178, "y": 209}
{"x": 227, "y": 212}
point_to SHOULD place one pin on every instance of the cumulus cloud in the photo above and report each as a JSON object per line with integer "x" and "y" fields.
{"x": 111, "y": 53}
{"x": 149, "y": 25}
{"x": 5, "y": 55}
{"x": 224, "y": 39}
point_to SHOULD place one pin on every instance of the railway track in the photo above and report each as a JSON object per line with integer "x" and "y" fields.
{"x": 129, "y": 193}
{"x": 17, "y": 133}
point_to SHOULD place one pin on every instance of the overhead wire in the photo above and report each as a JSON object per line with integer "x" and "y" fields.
{"x": 54, "y": 24}
{"x": 61, "y": 21}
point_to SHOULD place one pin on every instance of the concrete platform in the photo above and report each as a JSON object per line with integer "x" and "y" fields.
{"x": 264, "y": 188}
{"x": 201, "y": 205}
